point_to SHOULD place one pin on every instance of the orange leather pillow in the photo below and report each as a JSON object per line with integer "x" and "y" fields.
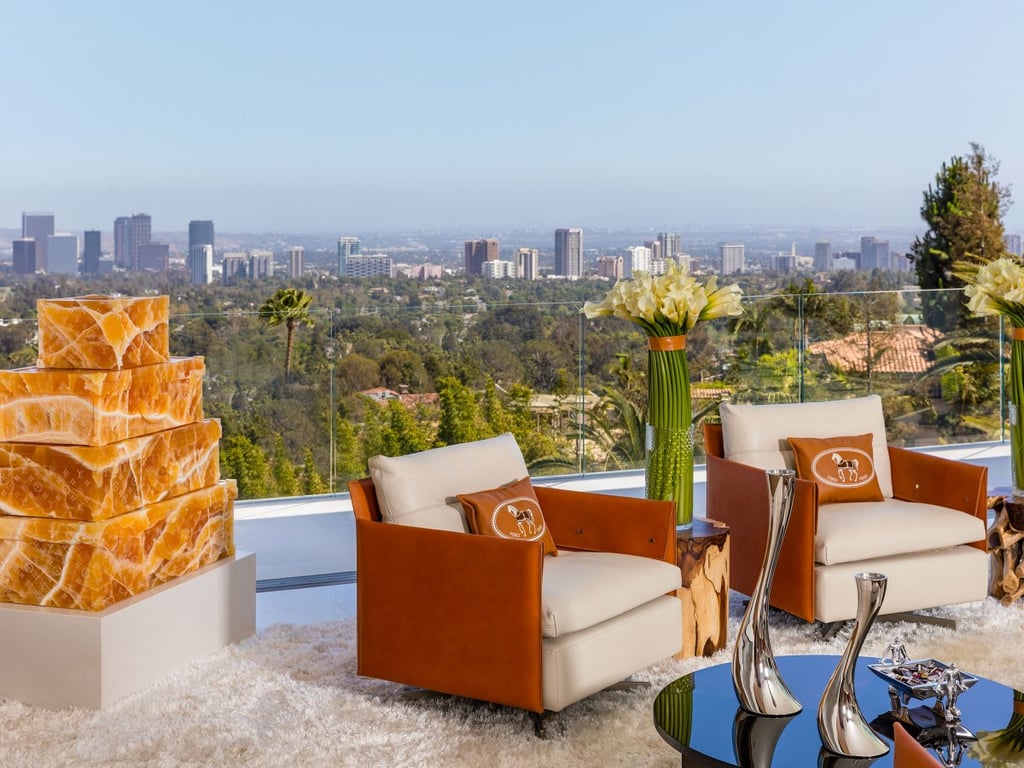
{"x": 511, "y": 512}
{"x": 842, "y": 467}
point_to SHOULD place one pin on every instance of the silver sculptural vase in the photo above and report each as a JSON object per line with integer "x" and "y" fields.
{"x": 755, "y": 677}
{"x": 842, "y": 727}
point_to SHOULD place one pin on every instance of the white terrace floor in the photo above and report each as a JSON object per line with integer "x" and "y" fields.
{"x": 305, "y": 547}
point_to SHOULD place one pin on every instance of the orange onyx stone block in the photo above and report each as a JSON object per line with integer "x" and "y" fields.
{"x": 104, "y": 332}
{"x": 92, "y": 565}
{"x": 86, "y": 407}
{"x": 76, "y": 482}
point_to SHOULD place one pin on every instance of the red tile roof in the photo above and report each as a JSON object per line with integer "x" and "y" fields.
{"x": 900, "y": 349}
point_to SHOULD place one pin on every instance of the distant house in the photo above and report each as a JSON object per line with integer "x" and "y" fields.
{"x": 897, "y": 350}
{"x": 408, "y": 399}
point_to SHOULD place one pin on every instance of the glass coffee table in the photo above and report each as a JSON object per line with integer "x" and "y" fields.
{"x": 698, "y": 714}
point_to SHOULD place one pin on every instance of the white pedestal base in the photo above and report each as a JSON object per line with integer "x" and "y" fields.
{"x": 57, "y": 657}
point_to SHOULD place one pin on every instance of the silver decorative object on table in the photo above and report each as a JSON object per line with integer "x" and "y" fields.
{"x": 841, "y": 725}
{"x": 758, "y": 684}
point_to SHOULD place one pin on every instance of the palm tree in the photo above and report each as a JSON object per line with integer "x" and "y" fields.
{"x": 291, "y": 307}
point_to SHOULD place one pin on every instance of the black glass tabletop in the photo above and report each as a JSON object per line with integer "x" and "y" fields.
{"x": 699, "y": 715}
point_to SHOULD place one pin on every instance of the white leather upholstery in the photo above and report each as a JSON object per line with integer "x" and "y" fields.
{"x": 861, "y": 530}
{"x": 582, "y": 663}
{"x": 915, "y": 581}
{"x": 420, "y": 489}
{"x": 582, "y": 589}
{"x": 756, "y": 434}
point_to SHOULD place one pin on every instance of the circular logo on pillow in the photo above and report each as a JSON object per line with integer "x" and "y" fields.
{"x": 843, "y": 467}
{"x": 518, "y": 518}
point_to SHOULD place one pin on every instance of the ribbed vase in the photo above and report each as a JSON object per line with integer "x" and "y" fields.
{"x": 1016, "y": 409}
{"x": 755, "y": 677}
{"x": 842, "y": 727}
{"x": 669, "y": 471}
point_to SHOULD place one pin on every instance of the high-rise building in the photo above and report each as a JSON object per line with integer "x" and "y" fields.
{"x": 129, "y": 233}
{"x": 347, "y": 247}
{"x": 874, "y": 253}
{"x": 200, "y": 232}
{"x": 62, "y": 254}
{"x": 38, "y": 226}
{"x": 610, "y": 266}
{"x": 1012, "y": 244}
{"x": 296, "y": 261}
{"x": 822, "y": 256}
{"x": 153, "y": 257}
{"x": 479, "y": 251}
{"x": 569, "y": 252}
{"x": 261, "y": 264}
{"x": 638, "y": 259}
{"x": 671, "y": 245}
{"x": 200, "y": 263}
{"x": 370, "y": 265}
{"x": 733, "y": 257}
{"x": 527, "y": 264}
{"x": 92, "y": 252}
{"x": 497, "y": 269}
{"x": 24, "y": 256}
{"x": 233, "y": 265}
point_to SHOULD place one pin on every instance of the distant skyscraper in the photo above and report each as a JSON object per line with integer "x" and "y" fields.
{"x": 200, "y": 263}
{"x": 38, "y": 226}
{"x": 1012, "y": 244}
{"x": 822, "y": 256}
{"x": 638, "y": 259}
{"x": 233, "y": 265}
{"x": 527, "y": 264}
{"x": 874, "y": 253}
{"x": 296, "y": 261}
{"x": 733, "y": 257}
{"x": 610, "y": 266}
{"x": 569, "y": 252}
{"x": 92, "y": 251}
{"x": 671, "y": 245}
{"x": 370, "y": 265}
{"x": 261, "y": 264}
{"x": 24, "y": 256}
{"x": 153, "y": 257}
{"x": 200, "y": 232}
{"x": 479, "y": 251}
{"x": 347, "y": 246}
{"x": 62, "y": 254}
{"x": 129, "y": 233}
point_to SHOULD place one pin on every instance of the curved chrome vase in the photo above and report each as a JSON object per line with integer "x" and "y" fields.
{"x": 759, "y": 687}
{"x": 841, "y": 725}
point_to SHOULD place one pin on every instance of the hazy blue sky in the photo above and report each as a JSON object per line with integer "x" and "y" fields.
{"x": 340, "y": 116}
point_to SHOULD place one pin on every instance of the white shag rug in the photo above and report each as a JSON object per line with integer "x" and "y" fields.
{"x": 290, "y": 698}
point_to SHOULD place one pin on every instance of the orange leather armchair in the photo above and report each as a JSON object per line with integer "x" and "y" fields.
{"x": 461, "y": 614}
{"x": 737, "y": 495}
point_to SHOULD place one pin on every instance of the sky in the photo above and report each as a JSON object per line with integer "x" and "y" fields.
{"x": 352, "y": 116}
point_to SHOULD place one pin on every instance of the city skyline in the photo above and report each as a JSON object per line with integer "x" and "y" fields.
{"x": 804, "y": 115}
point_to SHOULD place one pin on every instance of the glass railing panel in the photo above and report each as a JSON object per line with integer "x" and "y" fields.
{"x": 274, "y": 399}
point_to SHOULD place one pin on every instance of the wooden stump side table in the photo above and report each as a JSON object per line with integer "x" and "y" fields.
{"x": 1006, "y": 546}
{"x": 702, "y": 553}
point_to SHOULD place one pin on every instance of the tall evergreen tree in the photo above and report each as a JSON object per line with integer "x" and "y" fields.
{"x": 964, "y": 212}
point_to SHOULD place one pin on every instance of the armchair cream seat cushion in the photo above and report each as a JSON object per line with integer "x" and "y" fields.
{"x": 861, "y": 530}
{"x": 582, "y": 589}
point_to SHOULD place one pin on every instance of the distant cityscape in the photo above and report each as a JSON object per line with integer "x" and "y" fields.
{"x": 132, "y": 246}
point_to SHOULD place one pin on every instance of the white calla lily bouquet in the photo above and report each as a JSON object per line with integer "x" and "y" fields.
{"x": 667, "y": 307}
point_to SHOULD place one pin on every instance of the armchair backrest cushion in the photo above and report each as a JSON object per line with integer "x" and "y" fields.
{"x": 757, "y": 434}
{"x": 422, "y": 489}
